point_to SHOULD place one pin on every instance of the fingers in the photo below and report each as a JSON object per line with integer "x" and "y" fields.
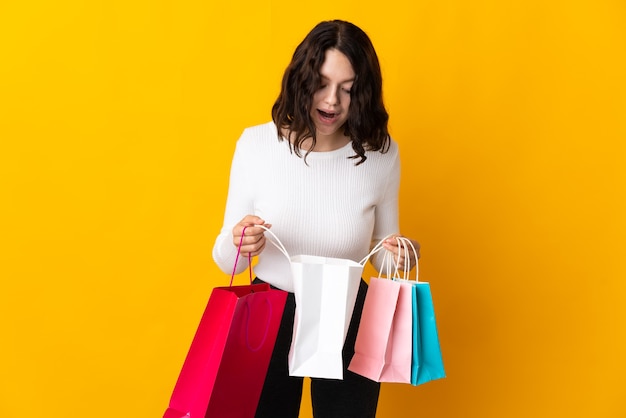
{"x": 401, "y": 250}
{"x": 249, "y": 236}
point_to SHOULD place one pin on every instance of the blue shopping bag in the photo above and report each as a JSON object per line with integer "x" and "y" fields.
{"x": 427, "y": 363}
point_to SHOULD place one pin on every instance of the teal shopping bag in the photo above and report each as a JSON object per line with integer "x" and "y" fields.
{"x": 427, "y": 363}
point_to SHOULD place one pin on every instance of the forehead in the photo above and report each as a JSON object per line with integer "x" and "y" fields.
{"x": 336, "y": 66}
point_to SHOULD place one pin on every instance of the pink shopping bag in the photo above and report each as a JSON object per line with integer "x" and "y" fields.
{"x": 383, "y": 348}
{"x": 382, "y": 351}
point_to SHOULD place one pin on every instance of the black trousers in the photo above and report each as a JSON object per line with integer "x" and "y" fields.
{"x": 353, "y": 397}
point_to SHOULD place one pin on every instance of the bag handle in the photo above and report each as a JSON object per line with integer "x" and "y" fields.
{"x": 386, "y": 265}
{"x": 283, "y": 250}
{"x": 402, "y": 243}
{"x": 378, "y": 247}
{"x": 276, "y": 244}
{"x": 232, "y": 276}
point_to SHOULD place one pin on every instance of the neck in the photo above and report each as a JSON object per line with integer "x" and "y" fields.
{"x": 325, "y": 143}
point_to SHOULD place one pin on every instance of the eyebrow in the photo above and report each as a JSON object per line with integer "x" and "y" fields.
{"x": 351, "y": 80}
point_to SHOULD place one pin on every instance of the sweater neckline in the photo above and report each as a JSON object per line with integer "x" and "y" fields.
{"x": 321, "y": 155}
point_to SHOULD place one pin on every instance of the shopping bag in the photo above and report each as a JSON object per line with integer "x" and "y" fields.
{"x": 225, "y": 367}
{"x": 427, "y": 362}
{"x": 325, "y": 291}
{"x": 383, "y": 347}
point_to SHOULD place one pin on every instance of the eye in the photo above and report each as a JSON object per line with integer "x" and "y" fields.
{"x": 347, "y": 91}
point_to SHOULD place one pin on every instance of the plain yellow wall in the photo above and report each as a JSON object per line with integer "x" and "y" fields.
{"x": 118, "y": 121}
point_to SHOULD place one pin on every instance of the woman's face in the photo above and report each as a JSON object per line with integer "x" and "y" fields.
{"x": 331, "y": 101}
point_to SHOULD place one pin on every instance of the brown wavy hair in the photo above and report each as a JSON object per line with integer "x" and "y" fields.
{"x": 367, "y": 117}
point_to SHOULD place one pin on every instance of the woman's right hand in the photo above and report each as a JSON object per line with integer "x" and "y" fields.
{"x": 254, "y": 240}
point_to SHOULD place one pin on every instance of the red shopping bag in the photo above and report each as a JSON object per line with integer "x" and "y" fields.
{"x": 226, "y": 364}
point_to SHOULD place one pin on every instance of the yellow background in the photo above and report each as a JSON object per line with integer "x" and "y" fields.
{"x": 118, "y": 121}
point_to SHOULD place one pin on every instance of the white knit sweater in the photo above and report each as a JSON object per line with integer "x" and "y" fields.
{"x": 329, "y": 208}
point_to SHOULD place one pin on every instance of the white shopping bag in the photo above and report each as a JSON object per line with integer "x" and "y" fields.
{"x": 325, "y": 290}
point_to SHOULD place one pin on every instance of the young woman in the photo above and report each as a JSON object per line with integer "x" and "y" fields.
{"x": 324, "y": 175}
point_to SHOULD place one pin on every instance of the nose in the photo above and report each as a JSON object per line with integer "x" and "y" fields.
{"x": 332, "y": 96}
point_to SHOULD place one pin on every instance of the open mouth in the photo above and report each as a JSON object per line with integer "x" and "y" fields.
{"x": 327, "y": 115}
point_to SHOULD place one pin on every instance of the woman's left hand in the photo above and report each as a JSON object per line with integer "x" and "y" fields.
{"x": 398, "y": 250}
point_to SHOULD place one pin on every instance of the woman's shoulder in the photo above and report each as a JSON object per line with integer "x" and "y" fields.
{"x": 389, "y": 154}
{"x": 393, "y": 146}
{"x": 261, "y": 132}
{"x": 257, "y": 138}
